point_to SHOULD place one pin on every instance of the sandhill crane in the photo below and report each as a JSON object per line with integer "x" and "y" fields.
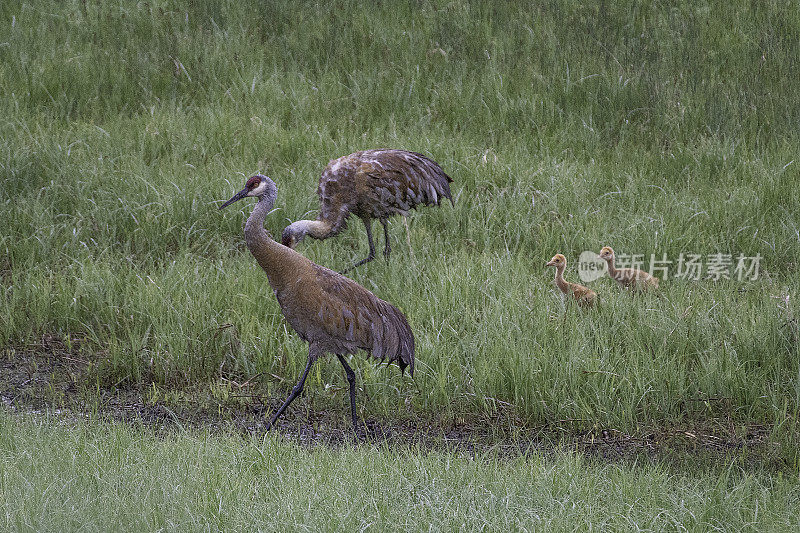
{"x": 629, "y": 278}
{"x": 332, "y": 313}
{"x": 371, "y": 184}
{"x": 585, "y": 296}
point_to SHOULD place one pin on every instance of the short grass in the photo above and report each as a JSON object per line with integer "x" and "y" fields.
{"x": 68, "y": 476}
{"x": 654, "y": 128}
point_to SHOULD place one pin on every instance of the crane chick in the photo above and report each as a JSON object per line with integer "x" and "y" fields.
{"x": 372, "y": 184}
{"x": 630, "y": 278}
{"x": 585, "y": 296}
{"x": 332, "y": 313}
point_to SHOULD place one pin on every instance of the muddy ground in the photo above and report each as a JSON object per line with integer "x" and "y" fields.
{"x": 48, "y": 377}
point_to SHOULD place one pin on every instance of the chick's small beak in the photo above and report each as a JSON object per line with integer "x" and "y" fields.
{"x": 549, "y": 264}
{"x": 236, "y": 197}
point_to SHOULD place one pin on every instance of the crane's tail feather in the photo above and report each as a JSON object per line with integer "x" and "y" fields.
{"x": 436, "y": 180}
{"x": 393, "y": 338}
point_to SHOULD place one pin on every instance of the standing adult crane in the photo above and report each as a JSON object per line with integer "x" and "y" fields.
{"x": 332, "y": 313}
{"x": 372, "y": 184}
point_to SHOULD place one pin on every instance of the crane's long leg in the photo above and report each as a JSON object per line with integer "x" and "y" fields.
{"x": 295, "y": 391}
{"x": 408, "y": 240}
{"x": 387, "y": 250}
{"x": 371, "y": 256}
{"x": 351, "y": 379}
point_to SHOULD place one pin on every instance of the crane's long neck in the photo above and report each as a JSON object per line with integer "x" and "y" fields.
{"x": 560, "y": 282}
{"x": 612, "y": 270}
{"x": 319, "y": 229}
{"x": 271, "y": 256}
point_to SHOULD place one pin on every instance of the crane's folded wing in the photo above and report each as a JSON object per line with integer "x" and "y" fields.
{"x": 349, "y": 311}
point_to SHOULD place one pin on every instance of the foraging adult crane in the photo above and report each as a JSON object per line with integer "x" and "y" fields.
{"x": 628, "y": 278}
{"x": 334, "y": 314}
{"x": 585, "y": 296}
{"x": 372, "y": 184}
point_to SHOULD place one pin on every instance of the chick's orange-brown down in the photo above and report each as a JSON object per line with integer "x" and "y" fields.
{"x": 585, "y": 296}
{"x": 371, "y": 184}
{"x": 630, "y": 278}
{"x": 334, "y": 314}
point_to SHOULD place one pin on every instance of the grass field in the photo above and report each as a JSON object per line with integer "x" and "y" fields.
{"x": 58, "y": 476}
{"x": 653, "y": 128}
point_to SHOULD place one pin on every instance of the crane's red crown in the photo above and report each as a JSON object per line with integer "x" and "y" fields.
{"x": 253, "y": 182}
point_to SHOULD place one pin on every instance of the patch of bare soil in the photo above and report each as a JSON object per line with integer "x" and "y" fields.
{"x": 47, "y": 377}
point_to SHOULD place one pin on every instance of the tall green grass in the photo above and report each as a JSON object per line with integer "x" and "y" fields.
{"x": 653, "y": 128}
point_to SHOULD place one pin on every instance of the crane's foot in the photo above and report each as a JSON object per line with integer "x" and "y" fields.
{"x": 371, "y": 431}
{"x": 351, "y": 381}
{"x": 357, "y": 435}
{"x": 297, "y": 389}
{"x": 271, "y": 423}
{"x": 369, "y": 258}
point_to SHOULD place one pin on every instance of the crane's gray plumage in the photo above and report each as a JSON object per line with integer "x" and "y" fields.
{"x": 334, "y": 314}
{"x": 372, "y": 184}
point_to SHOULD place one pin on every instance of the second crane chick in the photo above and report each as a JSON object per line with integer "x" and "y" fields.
{"x": 585, "y": 296}
{"x": 629, "y": 278}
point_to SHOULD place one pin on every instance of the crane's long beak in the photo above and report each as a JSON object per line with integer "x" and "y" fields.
{"x": 236, "y": 197}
